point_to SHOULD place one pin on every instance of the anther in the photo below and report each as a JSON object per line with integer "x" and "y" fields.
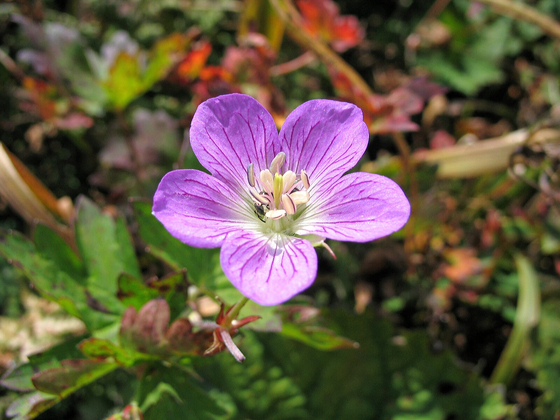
{"x": 299, "y": 197}
{"x": 277, "y": 162}
{"x": 275, "y": 214}
{"x": 289, "y": 180}
{"x": 251, "y": 175}
{"x": 288, "y": 204}
{"x": 305, "y": 179}
{"x": 259, "y": 198}
{"x": 267, "y": 181}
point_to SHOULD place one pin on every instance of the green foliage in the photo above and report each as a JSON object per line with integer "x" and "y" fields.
{"x": 545, "y": 359}
{"x": 392, "y": 375}
{"x": 122, "y": 79}
{"x": 107, "y": 252}
{"x": 201, "y": 264}
{"x": 51, "y": 280}
{"x": 166, "y": 394}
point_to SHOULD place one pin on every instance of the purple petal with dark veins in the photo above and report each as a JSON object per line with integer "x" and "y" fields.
{"x": 325, "y": 138}
{"x": 360, "y": 207}
{"x": 230, "y": 132}
{"x": 198, "y": 209}
{"x": 268, "y": 269}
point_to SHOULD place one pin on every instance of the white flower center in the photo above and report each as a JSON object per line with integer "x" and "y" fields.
{"x": 276, "y": 195}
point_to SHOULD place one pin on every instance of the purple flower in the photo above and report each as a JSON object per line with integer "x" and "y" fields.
{"x": 273, "y": 197}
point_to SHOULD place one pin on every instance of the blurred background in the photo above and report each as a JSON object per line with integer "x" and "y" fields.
{"x": 456, "y": 316}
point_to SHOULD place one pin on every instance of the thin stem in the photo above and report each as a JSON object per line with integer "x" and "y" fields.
{"x": 293, "y": 21}
{"x": 297, "y": 63}
{"x": 10, "y": 65}
{"x": 521, "y": 11}
{"x": 136, "y": 165}
{"x": 234, "y": 311}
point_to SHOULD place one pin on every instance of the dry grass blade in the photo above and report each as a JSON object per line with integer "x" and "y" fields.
{"x": 29, "y": 197}
{"x": 470, "y": 160}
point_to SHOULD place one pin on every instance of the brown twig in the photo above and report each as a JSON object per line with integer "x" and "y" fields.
{"x": 297, "y": 63}
{"x": 293, "y": 21}
{"x": 526, "y": 13}
{"x": 135, "y": 159}
{"x": 294, "y": 24}
{"x": 10, "y": 65}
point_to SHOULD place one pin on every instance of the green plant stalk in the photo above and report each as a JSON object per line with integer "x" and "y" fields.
{"x": 526, "y": 318}
{"x": 234, "y": 312}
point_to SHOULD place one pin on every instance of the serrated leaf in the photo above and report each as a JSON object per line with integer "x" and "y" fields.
{"x": 163, "y": 56}
{"x": 136, "y": 293}
{"x": 101, "y": 349}
{"x": 158, "y": 393}
{"x": 19, "y": 378}
{"x": 30, "y": 405}
{"x": 107, "y": 251}
{"x": 199, "y": 262}
{"x": 54, "y": 248}
{"x": 125, "y": 80}
{"x": 179, "y": 398}
{"x": 72, "y": 375}
{"x": 53, "y": 283}
{"x": 317, "y": 337}
{"x": 126, "y": 247}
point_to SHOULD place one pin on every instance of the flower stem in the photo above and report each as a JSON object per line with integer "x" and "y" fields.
{"x": 234, "y": 311}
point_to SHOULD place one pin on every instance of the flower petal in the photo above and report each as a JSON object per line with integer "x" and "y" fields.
{"x": 268, "y": 269}
{"x": 230, "y": 132}
{"x": 198, "y": 209}
{"x": 360, "y": 207}
{"x": 325, "y": 138}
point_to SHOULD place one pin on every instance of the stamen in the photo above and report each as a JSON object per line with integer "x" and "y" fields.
{"x": 275, "y": 214}
{"x": 267, "y": 181}
{"x": 305, "y": 179}
{"x": 278, "y": 189}
{"x": 251, "y": 175}
{"x": 299, "y": 197}
{"x": 289, "y": 180}
{"x": 277, "y": 162}
{"x": 288, "y": 204}
{"x": 259, "y": 198}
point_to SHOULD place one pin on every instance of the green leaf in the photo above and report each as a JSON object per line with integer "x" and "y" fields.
{"x": 526, "y": 318}
{"x": 125, "y": 80}
{"x": 126, "y": 246}
{"x": 54, "y": 248}
{"x": 133, "y": 292}
{"x": 163, "y": 56}
{"x": 101, "y": 349}
{"x": 72, "y": 375}
{"x": 107, "y": 251}
{"x": 392, "y": 375}
{"x": 317, "y": 337}
{"x": 174, "y": 288}
{"x": 200, "y": 263}
{"x": 30, "y": 405}
{"x": 178, "y": 398}
{"x": 156, "y": 395}
{"x": 53, "y": 283}
{"x": 19, "y": 378}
